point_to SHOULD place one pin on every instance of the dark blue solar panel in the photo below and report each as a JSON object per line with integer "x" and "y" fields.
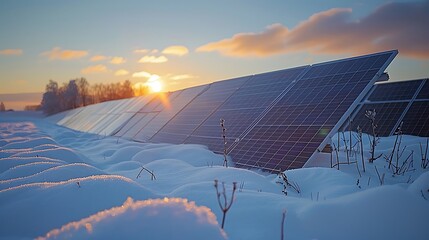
{"x": 395, "y": 91}
{"x": 190, "y": 117}
{"x": 416, "y": 120}
{"x": 390, "y": 100}
{"x": 245, "y": 106}
{"x": 303, "y": 118}
{"x": 387, "y": 117}
{"x": 424, "y": 92}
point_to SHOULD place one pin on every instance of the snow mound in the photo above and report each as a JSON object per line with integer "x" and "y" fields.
{"x": 30, "y": 143}
{"x": 196, "y": 155}
{"x": 168, "y": 218}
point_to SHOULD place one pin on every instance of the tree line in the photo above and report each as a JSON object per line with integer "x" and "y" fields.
{"x": 78, "y": 92}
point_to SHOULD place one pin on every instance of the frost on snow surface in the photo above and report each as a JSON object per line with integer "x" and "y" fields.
{"x": 57, "y": 183}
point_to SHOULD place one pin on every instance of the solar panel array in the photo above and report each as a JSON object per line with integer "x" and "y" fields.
{"x": 103, "y": 118}
{"x": 308, "y": 113}
{"x": 405, "y": 102}
{"x": 275, "y": 121}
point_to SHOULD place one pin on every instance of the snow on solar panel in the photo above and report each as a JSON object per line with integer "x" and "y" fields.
{"x": 309, "y": 113}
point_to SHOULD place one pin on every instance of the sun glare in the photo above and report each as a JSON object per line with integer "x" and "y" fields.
{"x": 153, "y": 85}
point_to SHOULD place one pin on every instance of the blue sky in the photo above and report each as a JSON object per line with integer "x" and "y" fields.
{"x": 186, "y": 43}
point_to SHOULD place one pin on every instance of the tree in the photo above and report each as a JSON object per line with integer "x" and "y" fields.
{"x": 2, "y": 107}
{"x": 50, "y": 101}
{"x": 71, "y": 95}
{"x": 83, "y": 87}
{"x": 127, "y": 90}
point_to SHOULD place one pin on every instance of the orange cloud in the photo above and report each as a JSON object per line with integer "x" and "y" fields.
{"x": 95, "y": 69}
{"x": 11, "y": 52}
{"x": 117, "y": 60}
{"x": 153, "y": 59}
{"x": 97, "y": 58}
{"x": 59, "y": 54}
{"x": 398, "y": 25}
{"x": 121, "y": 72}
{"x": 176, "y": 50}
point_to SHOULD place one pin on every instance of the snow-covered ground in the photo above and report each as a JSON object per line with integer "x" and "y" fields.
{"x": 57, "y": 183}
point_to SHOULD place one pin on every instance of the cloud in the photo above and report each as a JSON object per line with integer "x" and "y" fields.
{"x": 181, "y": 77}
{"x": 117, "y": 60}
{"x": 176, "y": 50}
{"x": 97, "y": 58}
{"x": 153, "y": 59}
{"x": 142, "y": 74}
{"x": 144, "y": 51}
{"x": 11, "y": 52}
{"x": 397, "y": 25}
{"x": 121, "y": 72}
{"x": 95, "y": 69}
{"x": 66, "y": 54}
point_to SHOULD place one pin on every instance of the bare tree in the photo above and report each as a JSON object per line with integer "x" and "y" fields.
{"x": 83, "y": 87}
{"x": 2, "y": 107}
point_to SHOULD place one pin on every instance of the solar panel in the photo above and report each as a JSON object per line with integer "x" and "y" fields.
{"x": 424, "y": 92}
{"x": 144, "y": 114}
{"x": 394, "y": 91}
{"x": 309, "y": 112}
{"x": 244, "y": 107}
{"x": 166, "y": 112}
{"x": 189, "y": 118}
{"x": 387, "y": 116}
{"x": 416, "y": 120}
{"x": 392, "y": 102}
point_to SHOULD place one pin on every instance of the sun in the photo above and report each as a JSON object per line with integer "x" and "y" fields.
{"x": 152, "y": 85}
{"x": 155, "y": 86}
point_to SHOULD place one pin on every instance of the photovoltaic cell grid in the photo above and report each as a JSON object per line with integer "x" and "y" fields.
{"x": 424, "y": 92}
{"x": 244, "y": 108}
{"x": 187, "y": 120}
{"x": 288, "y": 135}
{"x": 387, "y": 116}
{"x": 395, "y": 103}
{"x": 168, "y": 112}
{"x": 145, "y": 114}
{"x": 394, "y": 91}
{"x": 416, "y": 121}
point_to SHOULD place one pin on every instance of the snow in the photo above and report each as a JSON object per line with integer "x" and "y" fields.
{"x": 58, "y": 183}
{"x": 167, "y": 218}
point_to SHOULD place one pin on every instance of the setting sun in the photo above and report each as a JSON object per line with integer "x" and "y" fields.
{"x": 155, "y": 86}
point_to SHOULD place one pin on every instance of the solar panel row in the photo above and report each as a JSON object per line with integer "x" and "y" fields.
{"x": 405, "y": 102}
{"x": 308, "y": 113}
{"x": 275, "y": 121}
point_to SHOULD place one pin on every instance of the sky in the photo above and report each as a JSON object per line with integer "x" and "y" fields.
{"x": 186, "y": 43}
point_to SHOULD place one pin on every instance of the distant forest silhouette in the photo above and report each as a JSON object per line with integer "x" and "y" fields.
{"x": 78, "y": 92}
